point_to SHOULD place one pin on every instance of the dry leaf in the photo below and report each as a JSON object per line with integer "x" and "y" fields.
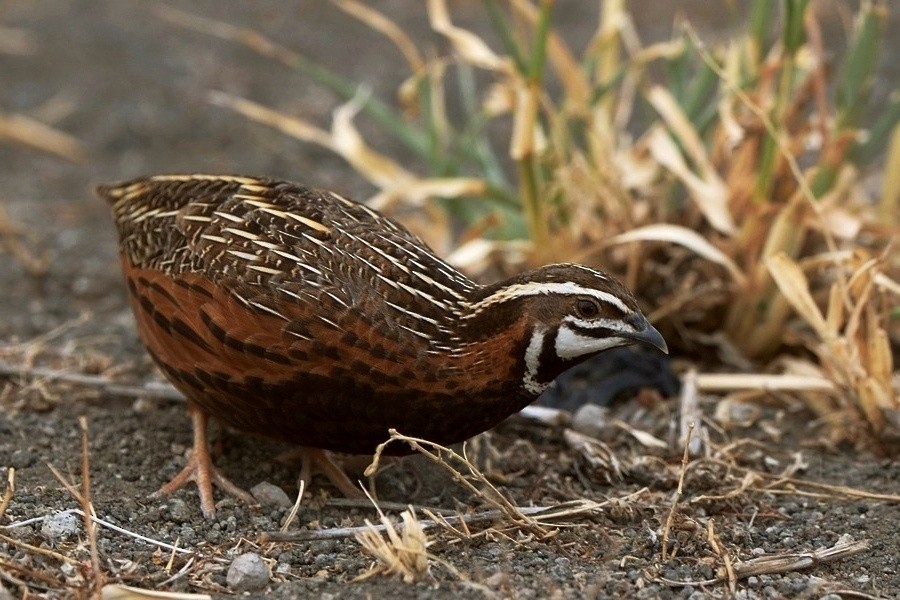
{"x": 793, "y": 285}
{"x": 469, "y": 46}
{"x": 683, "y": 236}
{"x": 374, "y": 166}
{"x": 719, "y": 382}
{"x": 646, "y": 439}
{"x": 415, "y": 192}
{"x": 710, "y": 194}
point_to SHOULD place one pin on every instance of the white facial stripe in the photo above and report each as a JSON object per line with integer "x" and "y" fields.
{"x": 610, "y": 324}
{"x": 532, "y": 362}
{"x": 569, "y": 288}
{"x": 570, "y": 344}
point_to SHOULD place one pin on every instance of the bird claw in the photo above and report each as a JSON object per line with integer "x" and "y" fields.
{"x": 201, "y": 471}
{"x": 205, "y": 475}
{"x": 320, "y": 461}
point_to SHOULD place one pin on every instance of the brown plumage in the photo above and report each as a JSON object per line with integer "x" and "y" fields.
{"x": 303, "y": 316}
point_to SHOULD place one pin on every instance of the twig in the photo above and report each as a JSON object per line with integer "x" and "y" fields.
{"x": 37, "y": 550}
{"x": 100, "y": 522}
{"x": 383, "y": 505}
{"x": 728, "y": 382}
{"x": 544, "y": 513}
{"x": 779, "y": 479}
{"x": 345, "y": 532}
{"x": 32, "y": 573}
{"x": 32, "y": 347}
{"x": 10, "y": 490}
{"x": 157, "y": 390}
{"x": 780, "y": 563}
{"x": 21, "y": 584}
{"x": 677, "y": 495}
{"x": 723, "y": 554}
{"x": 690, "y": 414}
{"x": 70, "y": 487}
{"x": 842, "y": 490}
{"x": 181, "y": 573}
{"x": 296, "y": 507}
{"x": 28, "y": 131}
{"x": 784, "y": 563}
{"x": 495, "y": 498}
{"x": 86, "y": 504}
{"x": 402, "y": 552}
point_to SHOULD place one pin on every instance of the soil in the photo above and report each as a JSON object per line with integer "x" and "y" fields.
{"x": 132, "y": 89}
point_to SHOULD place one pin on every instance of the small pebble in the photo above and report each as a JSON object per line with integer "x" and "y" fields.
{"x": 60, "y": 526}
{"x": 179, "y": 510}
{"x": 496, "y": 580}
{"x": 270, "y": 495}
{"x": 590, "y": 419}
{"x": 22, "y": 459}
{"x": 187, "y": 534}
{"x": 68, "y": 569}
{"x": 247, "y": 573}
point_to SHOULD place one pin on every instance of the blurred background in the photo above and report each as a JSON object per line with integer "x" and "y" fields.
{"x": 130, "y": 89}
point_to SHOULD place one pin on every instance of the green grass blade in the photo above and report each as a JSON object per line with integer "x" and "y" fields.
{"x": 876, "y": 140}
{"x": 501, "y": 24}
{"x": 856, "y": 75}
{"x": 760, "y": 26}
{"x": 541, "y": 35}
{"x": 793, "y": 32}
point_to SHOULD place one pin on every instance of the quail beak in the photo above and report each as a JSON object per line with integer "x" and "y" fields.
{"x": 645, "y": 333}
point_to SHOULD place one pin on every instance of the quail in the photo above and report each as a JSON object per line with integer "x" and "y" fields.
{"x": 303, "y": 316}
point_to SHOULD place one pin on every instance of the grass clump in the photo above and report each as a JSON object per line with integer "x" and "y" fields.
{"x": 724, "y": 181}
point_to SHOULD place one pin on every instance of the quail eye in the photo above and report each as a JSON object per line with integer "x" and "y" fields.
{"x": 587, "y": 309}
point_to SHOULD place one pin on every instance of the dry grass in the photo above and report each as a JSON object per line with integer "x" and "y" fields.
{"x": 16, "y": 242}
{"x": 730, "y": 479}
{"x": 25, "y": 130}
{"x": 28, "y": 129}
{"x": 402, "y": 550}
{"x": 734, "y": 208}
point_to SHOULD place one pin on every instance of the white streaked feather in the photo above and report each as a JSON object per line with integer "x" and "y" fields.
{"x": 533, "y": 362}
{"x": 568, "y": 288}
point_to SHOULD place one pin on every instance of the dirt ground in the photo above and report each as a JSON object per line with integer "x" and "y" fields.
{"x": 132, "y": 89}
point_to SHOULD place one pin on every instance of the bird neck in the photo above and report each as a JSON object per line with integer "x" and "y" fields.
{"x": 498, "y": 340}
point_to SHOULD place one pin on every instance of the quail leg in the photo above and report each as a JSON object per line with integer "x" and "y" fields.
{"x": 320, "y": 461}
{"x": 200, "y": 470}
